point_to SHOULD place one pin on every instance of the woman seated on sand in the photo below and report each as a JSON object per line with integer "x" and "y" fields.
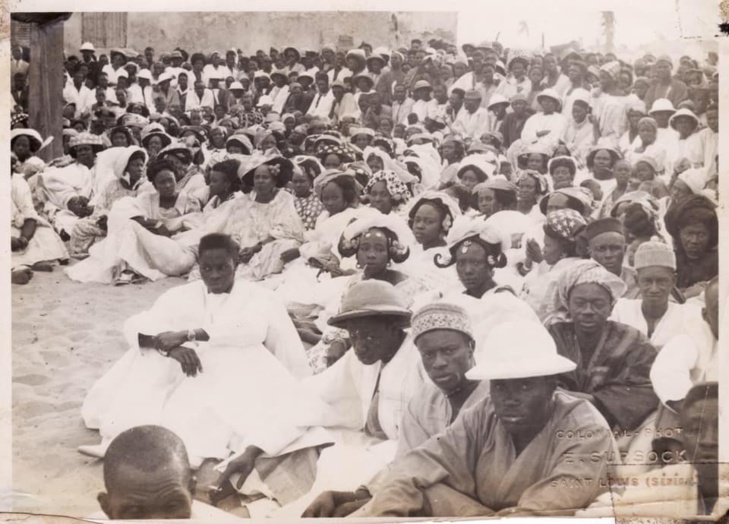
{"x": 139, "y": 244}
{"x": 33, "y": 243}
{"x": 128, "y": 169}
{"x": 265, "y": 222}
{"x": 192, "y": 361}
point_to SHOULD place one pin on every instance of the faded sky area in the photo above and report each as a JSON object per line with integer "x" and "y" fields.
{"x": 653, "y": 23}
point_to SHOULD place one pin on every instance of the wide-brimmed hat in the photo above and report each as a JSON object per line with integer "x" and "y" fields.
{"x": 519, "y": 349}
{"x": 144, "y": 74}
{"x": 614, "y": 153}
{"x": 242, "y": 140}
{"x": 497, "y": 99}
{"x": 371, "y": 298}
{"x": 363, "y": 76}
{"x": 33, "y": 136}
{"x": 662, "y": 104}
{"x": 298, "y": 53}
{"x": 550, "y": 93}
{"x": 422, "y": 84}
{"x": 286, "y": 168}
{"x": 133, "y": 120}
{"x": 377, "y": 57}
{"x": 86, "y": 139}
{"x": 279, "y": 72}
{"x": 155, "y": 130}
{"x": 87, "y": 46}
{"x": 686, "y": 113}
{"x": 177, "y": 147}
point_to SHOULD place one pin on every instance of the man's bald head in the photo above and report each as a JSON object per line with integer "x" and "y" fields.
{"x": 711, "y": 307}
{"x": 147, "y": 475}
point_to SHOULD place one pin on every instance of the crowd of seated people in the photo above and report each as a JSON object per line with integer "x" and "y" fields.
{"x": 418, "y": 266}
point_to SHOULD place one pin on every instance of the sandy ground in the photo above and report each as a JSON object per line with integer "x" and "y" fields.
{"x": 65, "y": 336}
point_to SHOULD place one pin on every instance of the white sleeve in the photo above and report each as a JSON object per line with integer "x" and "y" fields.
{"x": 671, "y": 371}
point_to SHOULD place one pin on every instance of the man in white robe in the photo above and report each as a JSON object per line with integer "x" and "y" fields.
{"x": 473, "y": 120}
{"x": 653, "y": 314}
{"x": 548, "y": 127}
{"x": 367, "y": 390}
{"x": 691, "y": 357}
{"x": 217, "y": 361}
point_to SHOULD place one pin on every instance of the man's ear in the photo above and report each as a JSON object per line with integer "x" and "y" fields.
{"x": 105, "y": 503}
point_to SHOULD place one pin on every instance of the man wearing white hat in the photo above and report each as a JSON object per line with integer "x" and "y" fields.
{"x": 510, "y": 454}
{"x": 164, "y": 90}
{"x": 176, "y": 68}
{"x": 548, "y": 126}
{"x": 88, "y": 57}
{"x": 654, "y": 314}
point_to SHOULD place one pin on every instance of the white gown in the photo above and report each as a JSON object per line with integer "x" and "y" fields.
{"x": 247, "y": 394}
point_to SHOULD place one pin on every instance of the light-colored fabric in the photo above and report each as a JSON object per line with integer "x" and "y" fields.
{"x": 430, "y": 413}
{"x": 253, "y": 353}
{"x": 684, "y": 361}
{"x": 128, "y": 245}
{"x": 348, "y": 388}
{"x": 45, "y": 245}
{"x": 400, "y": 111}
{"x": 612, "y": 118}
{"x": 541, "y": 286}
{"x": 471, "y": 125}
{"x": 555, "y": 123}
{"x": 252, "y": 222}
{"x": 321, "y": 105}
{"x": 476, "y": 457}
{"x": 496, "y": 306}
{"x": 425, "y": 109}
{"x": 679, "y": 319}
{"x": 580, "y": 138}
{"x": 193, "y": 101}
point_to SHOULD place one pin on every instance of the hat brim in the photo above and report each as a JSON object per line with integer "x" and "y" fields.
{"x": 35, "y": 144}
{"x": 284, "y": 177}
{"x": 556, "y": 100}
{"x": 166, "y": 140}
{"x": 528, "y": 368}
{"x": 96, "y": 147}
{"x": 400, "y": 314}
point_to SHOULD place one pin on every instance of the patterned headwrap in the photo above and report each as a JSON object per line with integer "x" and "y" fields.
{"x": 540, "y": 179}
{"x": 589, "y": 272}
{"x": 566, "y": 223}
{"x": 345, "y": 154}
{"x": 441, "y": 315}
{"x": 612, "y": 68}
{"x": 397, "y": 241}
{"x": 397, "y": 189}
